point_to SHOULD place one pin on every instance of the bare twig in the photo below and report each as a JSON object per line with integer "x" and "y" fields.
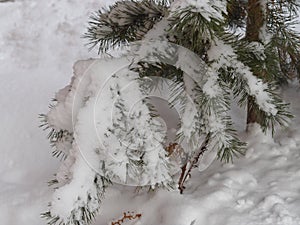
{"x": 127, "y": 216}
{"x": 190, "y": 164}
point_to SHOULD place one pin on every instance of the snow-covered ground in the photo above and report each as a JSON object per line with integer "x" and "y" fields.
{"x": 39, "y": 42}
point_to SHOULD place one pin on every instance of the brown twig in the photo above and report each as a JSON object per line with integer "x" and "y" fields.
{"x": 171, "y": 148}
{"x": 129, "y": 216}
{"x": 190, "y": 164}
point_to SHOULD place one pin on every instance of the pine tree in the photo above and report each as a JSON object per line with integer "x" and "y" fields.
{"x": 246, "y": 66}
{"x": 269, "y": 23}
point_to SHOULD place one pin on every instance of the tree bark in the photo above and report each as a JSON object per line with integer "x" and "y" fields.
{"x": 255, "y": 22}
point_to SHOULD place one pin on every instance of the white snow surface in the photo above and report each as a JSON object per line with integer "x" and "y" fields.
{"x": 39, "y": 42}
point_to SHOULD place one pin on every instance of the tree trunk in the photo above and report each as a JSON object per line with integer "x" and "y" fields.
{"x": 255, "y": 22}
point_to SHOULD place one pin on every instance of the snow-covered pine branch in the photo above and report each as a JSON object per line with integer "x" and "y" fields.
{"x": 104, "y": 140}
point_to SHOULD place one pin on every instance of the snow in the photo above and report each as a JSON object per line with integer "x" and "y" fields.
{"x": 209, "y": 9}
{"x": 39, "y": 42}
{"x": 106, "y": 87}
{"x": 257, "y": 88}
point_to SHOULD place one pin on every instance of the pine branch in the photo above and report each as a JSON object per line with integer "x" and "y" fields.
{"x": 237, "y": 69}
{"x": 190, "y": 23}
{"x": 282, "y": 16}
{"x": 124, "y": 22}
{"x": 241, "y": 90}
{"x": 83, "y": 214}
{"x": 223, "y": 137}
{"x": 163, "y": 70}
{"x": 56, "y": 137}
